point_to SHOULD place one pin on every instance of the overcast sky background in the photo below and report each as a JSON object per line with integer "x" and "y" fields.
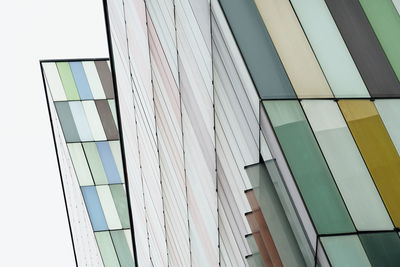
{"x": 33, "y": 224}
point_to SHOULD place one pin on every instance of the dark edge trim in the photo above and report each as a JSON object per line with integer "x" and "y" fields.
{"x": 73, "y": 60}
{"x": 58, "y": 160}
{"x": 111, "y": 55}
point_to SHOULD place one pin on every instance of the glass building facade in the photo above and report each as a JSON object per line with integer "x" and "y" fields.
{"x": 234, "y": 133}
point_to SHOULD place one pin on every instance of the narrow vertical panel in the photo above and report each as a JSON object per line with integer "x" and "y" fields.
{"x": 80, "y": 164}
{"x": 107, "y": 250}
{"x": 382, "y": 248}
{"x": 330, "y": 49}
{"x": 310, "y": 171}
{"x": 364, "y": 47}
{"x": 67, "y": 122}
{"x": 54, "y": 82}
{"x": 257, "y": 49}
{"x": 389, "y": 110}
{"x": 293, "y": 48}
{"x": 95, "y": 164}
{"x": 81, "y": 121}
{"x": 94, "y": 209}
{"x": 116, "y": 151}
{"x": 94, "y": 121}
{"x": 67, "y": 80}
{"x": 108, "y": 161}
{"x": 377, "y": 150}
{"x": 345, "y": 251}
{"x": 109, "y": 125}
{"x": 109, "y": 208}
{"x": 120, "y": 200}
{"x": 105, "y": 78}
{"x": 93, "y": 79}
{"x": 385, "y": 21}
{"x": 122, "y": 248}
{"x": 347, "y": 166}
{"x": 111, "y": 103}
{"x": 80, "y": 80}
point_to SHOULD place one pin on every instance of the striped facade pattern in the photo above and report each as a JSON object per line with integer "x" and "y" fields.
{"x": 255, "y": 133}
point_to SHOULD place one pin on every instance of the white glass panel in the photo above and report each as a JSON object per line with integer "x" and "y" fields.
{"x": 80, "y": 164}
{"x": 94, "y": 120}
{"x": 107, "y": 203}
{"x": 80, "y": 120}
{"x": 54, "y": 82}
{"x": 116, "y": 151}
{"x": 94, "y": 80}
{"x": 389, "y": 110}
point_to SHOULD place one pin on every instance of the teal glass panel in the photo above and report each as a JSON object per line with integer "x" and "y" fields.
{"x": 107, "y": 251}
{"x": 67, "y": 122}
{"x": 309, "y": 168}
{"x": 383, "y": 249}
{"x": 121, "y": 246}
{"x": 81, "y": 121}
{"x": 120, "y": 200}
{"x": 257, "y": 49}
{"x": 345, "y": 251}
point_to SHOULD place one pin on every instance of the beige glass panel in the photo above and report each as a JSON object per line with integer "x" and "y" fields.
{"x": 293, "y": 48}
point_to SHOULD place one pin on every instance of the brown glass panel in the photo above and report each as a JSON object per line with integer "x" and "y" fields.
{"x": 107, "y": 119}
{"x": 105, "y": 78}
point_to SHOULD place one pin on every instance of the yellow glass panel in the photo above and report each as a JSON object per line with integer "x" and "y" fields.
{"x": 293, "y": 48}
{"x": 377, "y": 149}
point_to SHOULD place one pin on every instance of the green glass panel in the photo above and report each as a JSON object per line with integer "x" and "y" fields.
{"x": 383, "y": 249}
{"x": 309, "y": 168}
{"x": 95, "y": 164}
{"x": 385, "y": 21}
{"x": 119, "y": 196}
{"x": 67, "y": 80}
{"x": 121, "y": 246}
{"x": 107, "y": 250}
{"x": 345, "y": 251}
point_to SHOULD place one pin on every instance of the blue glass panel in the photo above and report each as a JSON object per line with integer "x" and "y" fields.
{"x": 81, "y": 80}
{"x": 108, "y": 162}
{"x": 93, "y": 206}
{"x": 81, "y": 121}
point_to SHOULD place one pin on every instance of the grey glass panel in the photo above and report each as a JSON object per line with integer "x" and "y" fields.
{"x": 257, "y": 49}
{"x": 67, "y": 122}
{"x": 364, "y": 47}
{"x": 105, "y": 78}
{"x": 107, "y": 119}
{"x": 383, "y": 249}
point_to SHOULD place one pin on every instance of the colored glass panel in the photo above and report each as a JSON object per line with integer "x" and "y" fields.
{"x": 95, "y": 164}
{"x": 80, "y": 164}
{"x": 107, "y": 251}
{"x": 107, "y": 119}
{"x": 105, "y": 78}
{"x": 385, "y": 21}
{"x": 364, "y": 47}
{"x": 54, "y": 82}
{"x": 309, "y": 168}
{"x": 382, "y": 248}
{"x": 345, "y": 251}
{"x": 121, "y": 246}
{"x": 120, "y": 200}
{"x": 93, "y": 80}
{"x": 109, "y": 208}
{"x": 108, "y": 162}
{"x": 294, "y": 51}
{"x": 81, "y": 80}
{"x": 347, "y": 166}
{"x": 94, "y": 208}
{"x": 81, "y": 121}
{"x": 330, "y": 49}
{"x": 67, "y": 80}
{"x": 93, "y": 118}
{"x": 257, "y": 49}
{"x": 389, "y": 110}
{"x": 377, "y": 150}
{"x": 67, "y": 122}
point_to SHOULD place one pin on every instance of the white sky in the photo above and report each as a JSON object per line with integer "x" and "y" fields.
{"x": 33, "y": 223}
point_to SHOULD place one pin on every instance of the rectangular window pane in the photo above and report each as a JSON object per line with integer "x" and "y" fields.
{"x": 309, "y": 168}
